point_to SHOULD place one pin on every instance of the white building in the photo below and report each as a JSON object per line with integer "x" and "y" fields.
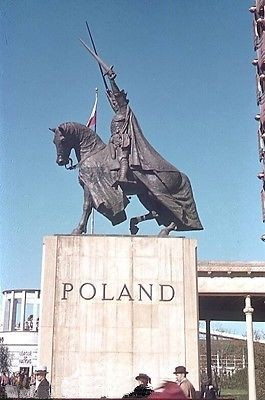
{"x": 19, "y": 330}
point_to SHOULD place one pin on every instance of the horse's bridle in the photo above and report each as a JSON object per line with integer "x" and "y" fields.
{"x": 71, "y": 164}
{"x": 80, "y": 162}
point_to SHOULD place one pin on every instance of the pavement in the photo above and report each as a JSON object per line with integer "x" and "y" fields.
{"x": 14, "y": 392}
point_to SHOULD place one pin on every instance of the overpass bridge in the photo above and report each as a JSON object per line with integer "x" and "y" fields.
{"x": 223, "y": 287}
{"x": 232, "y": 291}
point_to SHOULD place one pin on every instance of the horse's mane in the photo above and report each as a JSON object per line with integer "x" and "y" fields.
{"x": 74, "y": 127}
{"x": 90, "y": 139}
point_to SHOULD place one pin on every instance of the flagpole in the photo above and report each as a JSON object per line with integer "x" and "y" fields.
{"x": 92, "y": 230}
{"x": 96, "y": 110}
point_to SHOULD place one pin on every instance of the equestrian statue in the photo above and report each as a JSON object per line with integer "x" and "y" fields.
{"x": 127, "y": 165}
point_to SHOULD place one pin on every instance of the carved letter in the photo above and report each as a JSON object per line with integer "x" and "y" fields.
{"x": 125, "y": 289}
{"x": 162, "y": 293}
{"x": 81, "y": 291}
{"x": 150, "y": 295}
{"x": 65, "y": 290}
{"x": 104, "y": 292}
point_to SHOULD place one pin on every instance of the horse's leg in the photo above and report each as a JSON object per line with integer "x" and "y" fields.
{"x": 165, "y": 231}
{"x": 87, "y": 208}
{"x": 135, "y": 220}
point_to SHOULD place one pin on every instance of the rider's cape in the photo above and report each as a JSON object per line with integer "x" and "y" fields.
{"x": 173, "y": 197}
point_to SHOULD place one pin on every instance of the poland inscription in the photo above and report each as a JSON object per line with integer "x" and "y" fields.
{"x": 106, "y": 292}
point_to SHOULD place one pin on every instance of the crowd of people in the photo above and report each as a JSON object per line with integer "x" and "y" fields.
{"x": 180, "y": 389}
{"x": 38, "y": 386}
{"x": 34, "y": 386}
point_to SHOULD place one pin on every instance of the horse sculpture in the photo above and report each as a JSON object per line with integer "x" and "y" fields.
{"x": 163, "y": 190}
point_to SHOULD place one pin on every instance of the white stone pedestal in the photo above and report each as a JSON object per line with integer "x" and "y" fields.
{"x": 114, "y": 306}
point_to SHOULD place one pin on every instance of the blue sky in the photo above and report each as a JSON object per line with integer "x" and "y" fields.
{"x": 186, "y": 66}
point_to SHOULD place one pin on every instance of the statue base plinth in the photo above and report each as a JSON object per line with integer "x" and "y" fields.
{"x": 115, "y": 306}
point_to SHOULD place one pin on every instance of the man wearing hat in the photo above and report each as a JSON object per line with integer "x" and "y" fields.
{"x": 143, "y": 389}
{"x": 184, "y": 383}
{"x": 43, "y": 389}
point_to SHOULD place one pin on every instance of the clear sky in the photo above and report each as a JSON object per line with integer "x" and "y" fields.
{"x": 186, "y": 66}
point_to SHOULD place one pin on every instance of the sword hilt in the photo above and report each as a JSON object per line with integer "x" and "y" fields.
{"x": 111, "y": 74}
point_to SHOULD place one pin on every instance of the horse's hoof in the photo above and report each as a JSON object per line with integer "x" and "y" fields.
{"x": 163, "y": 233}
{"x": 77, "y": 231}
{"x": 133, "y": 228}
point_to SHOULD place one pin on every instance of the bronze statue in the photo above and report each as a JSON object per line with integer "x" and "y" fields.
{"x": 127, "y": 165}
{"x": 120, "y": 141}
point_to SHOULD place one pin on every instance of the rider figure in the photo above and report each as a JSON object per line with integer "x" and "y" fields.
{"x": 120, "y": 141}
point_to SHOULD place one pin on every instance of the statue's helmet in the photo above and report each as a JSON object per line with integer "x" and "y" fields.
{"x": 121, "y": 98}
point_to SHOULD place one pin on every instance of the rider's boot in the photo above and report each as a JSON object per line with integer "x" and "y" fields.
{"x": 124, "y": 166}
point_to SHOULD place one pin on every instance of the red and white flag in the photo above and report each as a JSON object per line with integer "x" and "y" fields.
{"x": 93, "y": 116}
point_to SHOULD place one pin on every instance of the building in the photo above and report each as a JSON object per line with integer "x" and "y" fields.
{"x": 20, "y": 327}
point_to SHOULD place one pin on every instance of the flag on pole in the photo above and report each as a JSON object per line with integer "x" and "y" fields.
{"x": 93, "y": 116}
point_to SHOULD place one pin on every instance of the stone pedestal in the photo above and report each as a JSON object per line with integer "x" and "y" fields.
{"x": 114, "y": 306}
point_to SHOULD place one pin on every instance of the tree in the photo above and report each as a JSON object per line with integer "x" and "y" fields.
{"x": 5, "y": 358}
{"x": 259, "y": 349}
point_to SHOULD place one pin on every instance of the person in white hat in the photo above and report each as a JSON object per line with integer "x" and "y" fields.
{"x": 43, "y": 389}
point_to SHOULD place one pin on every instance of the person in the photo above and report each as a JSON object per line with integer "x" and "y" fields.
{"x": 32, "y": 385}
{"x": 208, "y": 391}
{"x": 143, "y": 389}
{"x": 184, "y": 383}
{"x": 13, "y": 379}
{"x": 4, "y": 379}
{"x": 25, "y": 382}
{"x": 168, "y": 390}
{"x": 43, "y": 389}
{"x": 19, "y": 378}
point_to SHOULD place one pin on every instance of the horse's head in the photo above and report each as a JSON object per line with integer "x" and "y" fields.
{"x": 64, "y": 143}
